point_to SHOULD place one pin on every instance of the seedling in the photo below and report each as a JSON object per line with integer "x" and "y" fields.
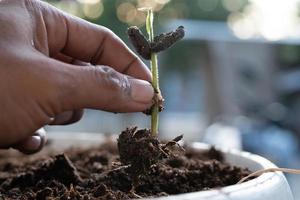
{"x": 148, "y": 49}
{"x": 141, "y": 149}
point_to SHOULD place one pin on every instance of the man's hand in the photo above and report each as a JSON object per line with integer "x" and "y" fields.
{"x": 52, "y": 65}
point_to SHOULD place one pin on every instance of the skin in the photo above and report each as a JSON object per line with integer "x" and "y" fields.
{"x": 53, "y": 65}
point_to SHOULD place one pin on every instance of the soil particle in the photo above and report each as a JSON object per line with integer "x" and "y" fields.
{"x": 157, "y": 100}
{"x": 42, "y": 194}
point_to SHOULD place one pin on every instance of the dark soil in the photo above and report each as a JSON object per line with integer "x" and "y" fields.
{"x": 139, "y": 159}
{"x": 98, "y": 173}
{"x": 140, "y": 151}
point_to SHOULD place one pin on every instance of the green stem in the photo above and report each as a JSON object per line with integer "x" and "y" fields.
{"x": 154, "y": 71}
{"x": 155, "y": 83}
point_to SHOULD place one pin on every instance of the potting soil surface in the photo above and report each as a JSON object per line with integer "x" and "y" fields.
{"x": 97, "y": 173}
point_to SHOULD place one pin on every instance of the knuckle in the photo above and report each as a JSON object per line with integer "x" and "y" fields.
{"x": 132, "y": 63}
{"x": 107, "y": 35}
{"x": 106, "y": 32}
{"x": 114, "y": 81}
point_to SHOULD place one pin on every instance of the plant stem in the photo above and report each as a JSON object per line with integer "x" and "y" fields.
{"x": 154, "y": 71}
{"x": 155, "y": 109}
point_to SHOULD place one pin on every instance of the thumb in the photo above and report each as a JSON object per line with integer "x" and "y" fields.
{"x": 101, "y": 87}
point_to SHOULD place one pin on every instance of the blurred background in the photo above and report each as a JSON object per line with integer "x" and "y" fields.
{"x": 234, "y": 81}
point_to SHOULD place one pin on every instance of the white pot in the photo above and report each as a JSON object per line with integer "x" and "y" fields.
{"x": 269, "y": 186}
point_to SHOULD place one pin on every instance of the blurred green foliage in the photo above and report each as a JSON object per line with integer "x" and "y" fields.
{"x": 174, "y": 9}
{"x": 181, "y": 57}
{"x": 187, "y": 9}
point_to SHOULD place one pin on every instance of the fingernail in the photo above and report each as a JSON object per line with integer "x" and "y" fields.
{"x": 141, "y": 91}
{"x": 32, "y": 144}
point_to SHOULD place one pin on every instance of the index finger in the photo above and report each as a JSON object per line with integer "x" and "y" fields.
{"x": 91, "y": 43}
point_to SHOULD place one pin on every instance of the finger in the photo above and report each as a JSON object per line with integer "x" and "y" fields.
{"x": 68, "y": 117}
{"x": 67, "y": 59}
{"x": 100, "y": 87}
{"x": 90, "y": 43}
{"x": 64, "y": 58}
{"x": 32, "y": 144}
